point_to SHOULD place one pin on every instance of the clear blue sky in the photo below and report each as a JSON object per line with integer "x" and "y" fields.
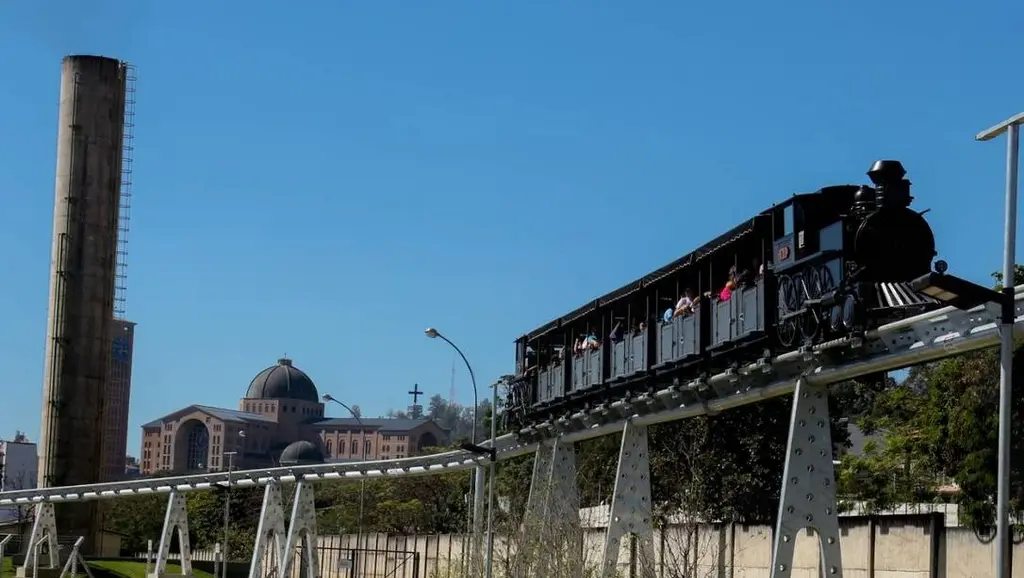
{"x": 327, "y": 179}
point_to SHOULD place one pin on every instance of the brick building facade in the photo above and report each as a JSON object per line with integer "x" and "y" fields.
{"x": 282, "y": 406}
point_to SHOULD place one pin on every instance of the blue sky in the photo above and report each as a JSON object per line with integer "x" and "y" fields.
{"x": 328, "y": 179}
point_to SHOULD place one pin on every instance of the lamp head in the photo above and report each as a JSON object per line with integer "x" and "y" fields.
{"x": 431, "y": 332}
{"x": 327, "y": 397}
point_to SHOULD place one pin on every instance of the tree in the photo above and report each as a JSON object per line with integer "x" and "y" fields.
{"x": 456, "y": 419}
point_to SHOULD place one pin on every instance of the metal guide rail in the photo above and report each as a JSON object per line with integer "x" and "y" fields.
{"x": 928, "y": 337}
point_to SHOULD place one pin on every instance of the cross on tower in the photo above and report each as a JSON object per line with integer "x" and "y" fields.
{"x": 416, "y": 410}
{"x": 415, "y": 393}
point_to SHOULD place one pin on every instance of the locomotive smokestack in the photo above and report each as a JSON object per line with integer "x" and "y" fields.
{"x": 891, "y": 189}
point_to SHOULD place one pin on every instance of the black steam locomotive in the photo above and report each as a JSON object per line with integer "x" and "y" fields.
{"x": 816, "y": 267}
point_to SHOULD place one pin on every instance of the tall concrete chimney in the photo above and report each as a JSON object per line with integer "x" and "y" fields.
{"x": 82, "y": 275}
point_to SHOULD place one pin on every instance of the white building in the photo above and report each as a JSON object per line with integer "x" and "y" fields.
{"x": 19, "y": 467}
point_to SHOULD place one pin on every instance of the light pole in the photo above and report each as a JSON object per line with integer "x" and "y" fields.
{"x": 227, "y": 509}
{"x": 489, "y": 556}
{"x": 1011, "y": 127}
{"x": 362, "y": 481}
{"x": 478, "y": 473}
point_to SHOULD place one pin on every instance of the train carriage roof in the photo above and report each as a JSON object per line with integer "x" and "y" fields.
{"x": 690, "y": 258}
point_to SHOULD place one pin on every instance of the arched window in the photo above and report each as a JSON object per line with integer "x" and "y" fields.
{"x": 328, "y": 448}
{"x": 366, "y": 448}
{"x": 198, "y": 447}
{"x": 341, "y": 448}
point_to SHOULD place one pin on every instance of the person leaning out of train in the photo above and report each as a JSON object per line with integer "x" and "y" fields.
{"x": 578, "y": 345}
{"x": 726, "y": 293}
{"x": 685, "y": 304}
{"x": 591, "y": 343}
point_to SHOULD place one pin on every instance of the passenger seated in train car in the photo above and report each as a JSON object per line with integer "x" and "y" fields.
{"x": 591, "y": 343}
{"x": 750, "y": 276}
{"x": 685, "y": 304}
{"x": 530, "y": 361}
{"x": 640, "y": 327}
{"x": 666, "y": 317}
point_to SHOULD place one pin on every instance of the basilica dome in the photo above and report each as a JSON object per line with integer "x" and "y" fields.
{"x": 283, "y": 381}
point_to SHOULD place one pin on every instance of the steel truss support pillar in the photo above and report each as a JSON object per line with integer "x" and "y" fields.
{"x": 551, "y": 541}
{"x": 268, "y": 551}
{"x": 175, "y": 521}
{"x": 272, "y": 557}
{"x": 302, "y": 532}
{"x": 44, "y": 530}
{"x": 74, "y": 559}
{"x": 808, "y": 497}
{"x": 631, "y": 505}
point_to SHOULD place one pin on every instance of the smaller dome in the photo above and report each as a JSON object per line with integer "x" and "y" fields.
{"x": 301, "y": 453}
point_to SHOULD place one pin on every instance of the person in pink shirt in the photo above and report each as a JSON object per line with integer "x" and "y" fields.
{"x": 726, "y": 292}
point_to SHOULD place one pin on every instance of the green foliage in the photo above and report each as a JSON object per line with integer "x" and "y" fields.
{"x": 140, "y": 519}
{"x": 401, "y": 505}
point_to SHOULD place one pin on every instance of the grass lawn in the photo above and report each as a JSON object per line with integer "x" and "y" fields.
{"x": 125, "y": 569}
{"x": 117, "y": 569}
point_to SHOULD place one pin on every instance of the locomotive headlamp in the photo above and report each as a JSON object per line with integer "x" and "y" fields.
{"x": 952, "y": 290}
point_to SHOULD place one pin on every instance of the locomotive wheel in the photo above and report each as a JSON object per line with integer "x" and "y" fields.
{"x": 813, "y": 281}
{"x": 799, "y": 291}
{"x": 788, "y": 297}
{"x": 809, "y": 326}
{"x": 828, "y": 283}
{"x": 787, "y": 331}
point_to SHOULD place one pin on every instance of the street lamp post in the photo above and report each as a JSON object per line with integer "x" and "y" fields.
{"x": 362, "y": 481}
{"x": 1011, "y": 127}
{"x": 478, "y": 472}
{"x": 489, "y": 556}
{"x": 227, "y": 514}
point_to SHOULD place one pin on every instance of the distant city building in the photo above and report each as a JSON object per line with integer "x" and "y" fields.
{"x": 282, "y": 407}
{"x": 118, "y": 400}
{"x": 19, "y": 470}
{"x": 132, "y": 468}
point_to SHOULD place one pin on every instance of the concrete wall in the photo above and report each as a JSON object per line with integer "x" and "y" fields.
{"x": 82, "y": 273}
{"x": 891, "y": 547}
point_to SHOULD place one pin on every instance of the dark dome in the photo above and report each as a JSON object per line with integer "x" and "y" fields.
{"x": 283, "y": 381}
{"x": 301, "y": 453}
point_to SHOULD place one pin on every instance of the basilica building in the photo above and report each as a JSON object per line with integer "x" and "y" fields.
{"x": 280, "y": 421}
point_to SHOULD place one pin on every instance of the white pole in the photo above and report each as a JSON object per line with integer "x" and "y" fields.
{"x": 1012, "y": 128}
